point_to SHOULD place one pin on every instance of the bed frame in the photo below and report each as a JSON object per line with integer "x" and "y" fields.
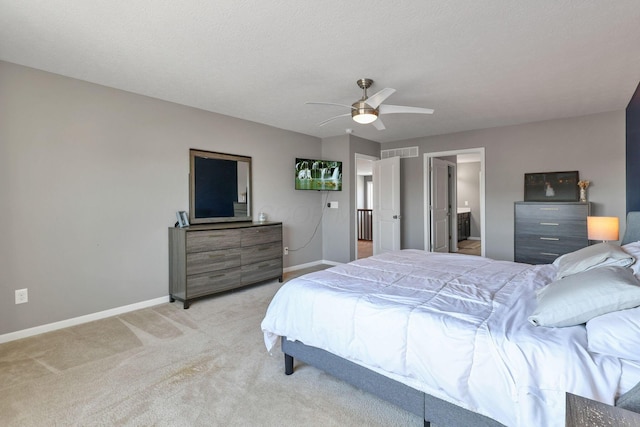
{"x": 429, "y": 408}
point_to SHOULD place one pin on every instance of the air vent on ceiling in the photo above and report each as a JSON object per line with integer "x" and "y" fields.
{"x": 399, "y": 152}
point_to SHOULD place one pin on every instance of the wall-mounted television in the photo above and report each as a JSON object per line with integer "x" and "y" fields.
{"x": 319, "y": 175}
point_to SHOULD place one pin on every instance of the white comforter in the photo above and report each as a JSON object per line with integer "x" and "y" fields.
{"x": 453, "y": 326}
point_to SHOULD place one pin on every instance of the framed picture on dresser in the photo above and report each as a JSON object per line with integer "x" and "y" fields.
{"x": 551, "y": 186}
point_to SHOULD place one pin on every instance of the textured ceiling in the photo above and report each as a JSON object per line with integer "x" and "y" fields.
{"x": 479, "y": 64}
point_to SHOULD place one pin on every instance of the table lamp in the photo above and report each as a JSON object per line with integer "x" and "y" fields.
{"x": 604, "y": 228}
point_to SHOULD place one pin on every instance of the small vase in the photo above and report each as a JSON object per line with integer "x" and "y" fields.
{"x": 583, "y": 194}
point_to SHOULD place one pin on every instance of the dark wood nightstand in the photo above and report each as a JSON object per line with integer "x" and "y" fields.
{"x": 583, "y": 412}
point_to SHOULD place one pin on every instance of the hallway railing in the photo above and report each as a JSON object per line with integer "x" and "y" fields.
{"x": 365, "y": 224}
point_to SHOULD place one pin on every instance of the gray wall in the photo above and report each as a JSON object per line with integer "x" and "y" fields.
{"x": 335, "y": 224}
{"x": 90, "y": 179}
{"x": 468, "y": 189}
{"x": 339, "y": 225}
{"x": 594, "y": 145}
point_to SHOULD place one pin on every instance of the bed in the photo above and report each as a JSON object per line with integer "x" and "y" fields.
{"x": 463, "y": 340}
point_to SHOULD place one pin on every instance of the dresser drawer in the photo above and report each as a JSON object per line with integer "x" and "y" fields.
{"x": 201, "y": 262}
{"x": 258, "y": 235}
{"x": 208, "y": 240}
{"x": 551, "y": 228}
{"x": 531, "y": 257}
{"x": 540, "y": 250}
{"x": 553, "y": 212}
{"x": 261, "y": 271}
{"x": 257, "y": 253}
{"x": 217, "y": 281}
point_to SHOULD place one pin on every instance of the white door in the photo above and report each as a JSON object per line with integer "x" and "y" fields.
{"x": 386, "y": 205}
{"x": 439, "y": 205}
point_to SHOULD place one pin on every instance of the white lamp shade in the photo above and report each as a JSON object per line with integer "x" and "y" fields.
{"x": 602, "y": 228}
{"x": 365, "y": 118}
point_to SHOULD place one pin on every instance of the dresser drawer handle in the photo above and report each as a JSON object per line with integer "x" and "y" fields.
{"x": 549, "y": 238}
{"x": 549, "y": 253}
{"x": 549, "y": 223}
{"x": 549, "y": 209}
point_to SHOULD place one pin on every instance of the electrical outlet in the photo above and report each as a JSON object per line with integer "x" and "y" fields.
{"x": 22, "y": 296}
{"x": 286, "y": 250}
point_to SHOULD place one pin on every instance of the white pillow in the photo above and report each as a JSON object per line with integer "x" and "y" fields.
{"x": 633, "y": 249}
{"x": 598, "y": 255}
{"x": 583, "y": 296}
{"x": 616, "y": 334}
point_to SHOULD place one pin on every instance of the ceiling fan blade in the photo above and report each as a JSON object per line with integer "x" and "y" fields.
{"x": 393, "y": 109}
{"x": 330, "y": 103}
{"x": 333, "y": 118}
{"x": 378, "y": 98}
{"x": 378, "y": 124}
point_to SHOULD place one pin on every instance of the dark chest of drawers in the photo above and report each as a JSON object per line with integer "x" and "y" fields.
{"x": 464, "y": 226}
{"x": 208, "y": 259}
{"x": 544, "y": 231}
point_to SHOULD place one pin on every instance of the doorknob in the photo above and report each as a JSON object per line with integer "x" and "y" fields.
{"x": 397, "y": 216}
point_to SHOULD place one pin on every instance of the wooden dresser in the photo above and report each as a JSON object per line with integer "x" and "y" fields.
{"x": 546, "y": 230}
{"x": 211, "y": 258}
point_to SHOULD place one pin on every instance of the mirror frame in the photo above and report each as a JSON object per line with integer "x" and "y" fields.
{"x": 193, "y": 154}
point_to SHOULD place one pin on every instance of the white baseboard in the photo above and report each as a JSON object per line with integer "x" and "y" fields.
{"x": 25, "y": 333}
{"x": 474, "y": 238}
{"x": 309, "y": 264}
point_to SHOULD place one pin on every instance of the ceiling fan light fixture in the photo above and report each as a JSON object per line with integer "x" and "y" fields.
{"x": 362, "y": 113}
{"x": 365, "y": 118}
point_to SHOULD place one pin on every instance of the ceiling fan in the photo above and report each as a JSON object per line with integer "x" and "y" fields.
{"x": 367, "y": 109}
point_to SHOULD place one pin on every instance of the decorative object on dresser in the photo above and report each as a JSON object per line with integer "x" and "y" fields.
{"x": 544, "y": 231}
{"x": 212, "y": 258}
{"x": 603, "y": 228}
{"x": 551, "y": 187}
{"x": 583, "y": 184}
{"x": 183, "y": 219}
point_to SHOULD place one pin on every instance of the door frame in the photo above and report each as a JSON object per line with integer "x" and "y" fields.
{"x": 427, "y": 190}
{"x": 355, "y": 200}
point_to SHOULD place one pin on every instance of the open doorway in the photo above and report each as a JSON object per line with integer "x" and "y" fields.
{"x": 465, "y": 206}
{"x": 364, "y": 205}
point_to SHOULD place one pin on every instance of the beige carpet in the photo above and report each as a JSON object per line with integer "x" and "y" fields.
{"x": 165, "y": 366}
